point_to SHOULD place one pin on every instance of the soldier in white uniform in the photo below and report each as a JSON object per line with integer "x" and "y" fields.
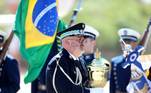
{"x": 120, "y": 77}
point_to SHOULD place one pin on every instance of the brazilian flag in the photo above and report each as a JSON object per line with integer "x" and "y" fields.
{"x": 35, "y": 25}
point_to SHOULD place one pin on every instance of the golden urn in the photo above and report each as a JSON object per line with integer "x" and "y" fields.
{"x": 98, "y": 71}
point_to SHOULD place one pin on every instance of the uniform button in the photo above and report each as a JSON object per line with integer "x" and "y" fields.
{"x": 115, "y": 65}
{"x": 115, "y": 78}
{"x": 114, "y": 68}
{"x": 114, "y": 73}
{"x": 116, "y": 82}
{"x": 116, "y": 86}
{"x": 41, "y": 87}
{"x": 74, "y": 72}
{"x": 70, "y": 57}
{"x": 0, "y": 69}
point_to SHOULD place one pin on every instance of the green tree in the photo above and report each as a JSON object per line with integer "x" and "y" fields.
{"x": 108, "y": 16}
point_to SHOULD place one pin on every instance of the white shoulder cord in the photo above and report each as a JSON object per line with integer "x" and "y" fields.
{"x": 54, "y": 75}
{"x": 78, "y": 76}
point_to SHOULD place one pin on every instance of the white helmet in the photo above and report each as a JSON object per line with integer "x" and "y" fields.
{"x": 130, "y": 34}
{"x": 90, "y": 31}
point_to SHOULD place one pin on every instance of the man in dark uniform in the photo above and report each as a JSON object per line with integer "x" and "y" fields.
{"x": 64, "y": 72}
{"x": 120, "y": 77}
{"x": 9, "y": 71}
{"x": 39, "y": 85}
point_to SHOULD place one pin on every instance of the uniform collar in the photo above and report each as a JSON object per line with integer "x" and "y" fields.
{"x": 74, "y": 58}
{"x": 66, "y": 53}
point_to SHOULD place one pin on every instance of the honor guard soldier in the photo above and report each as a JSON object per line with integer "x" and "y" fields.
{"x": 9, "y": 70}
{"x": 39, "y": 85}
{"x": 89, "y": 46}
{"x": 120, "y": 77}
{"x": 64, "y": 72}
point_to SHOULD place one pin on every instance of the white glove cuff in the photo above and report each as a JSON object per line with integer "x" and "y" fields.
{"x": 96, "y": 90}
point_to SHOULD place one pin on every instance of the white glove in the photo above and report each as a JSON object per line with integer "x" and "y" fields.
{"x": 130, "y": 88}
{"x": 96, "y": 90}
{"x": 128, "y": 48}
{"x": 136, "y": 73}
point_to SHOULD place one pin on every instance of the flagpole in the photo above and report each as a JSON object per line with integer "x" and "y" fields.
{"x": 75, "y": 12}
{"x": 6, "y": 46}
{"x": 146, "y": 36}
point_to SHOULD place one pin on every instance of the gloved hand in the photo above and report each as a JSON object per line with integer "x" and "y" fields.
{"x": 135, "y": 72}
{"x": 130, "y": 88}
{"x": 96, "y": 90}
{"x": 127, "y": 49}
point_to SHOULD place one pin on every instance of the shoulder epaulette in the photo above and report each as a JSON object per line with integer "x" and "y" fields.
{"x": 10, "y": 56}
{"x": 117, "y": 59}
{"x": 55, "y": 57}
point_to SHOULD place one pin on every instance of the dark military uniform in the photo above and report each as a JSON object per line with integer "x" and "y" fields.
{"x": 57, "y": 80}
{"x": 39, "y": 85}
{"x": 9, "y": 76}
{"x": 87, "y": 58}
{"x": 85, "y": 61}
{"x": 120, "y": 77}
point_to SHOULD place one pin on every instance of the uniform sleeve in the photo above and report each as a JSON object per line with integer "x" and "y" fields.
{"x": 112, "y": 82}
{"x": 61, "y": 83}
{"x": 13, "y": 75}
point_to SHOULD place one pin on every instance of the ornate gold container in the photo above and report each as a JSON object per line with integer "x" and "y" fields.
{"x": 98, "y": 71}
